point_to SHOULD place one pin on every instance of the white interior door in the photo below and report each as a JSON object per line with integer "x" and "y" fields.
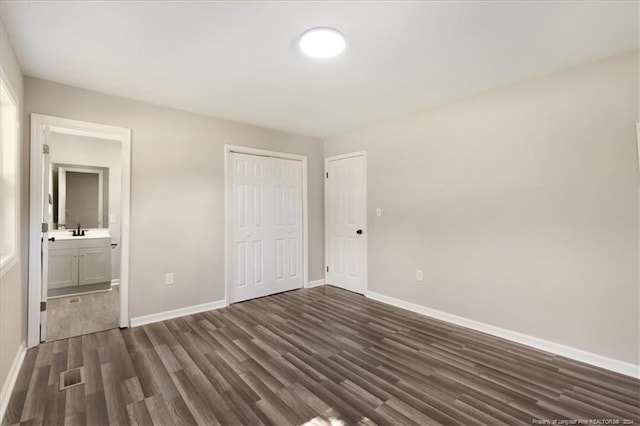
{"x": 346, "y": 222}
{"x": 266, "y": 226}
{"x": 288, "y": 224}
{"x": 46, "y": 206}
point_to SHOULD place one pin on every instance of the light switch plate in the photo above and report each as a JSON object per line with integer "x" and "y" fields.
{"x": 112, "y": 218}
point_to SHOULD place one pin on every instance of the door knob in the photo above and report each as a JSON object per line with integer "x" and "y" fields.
{"x": 359, "y": 232}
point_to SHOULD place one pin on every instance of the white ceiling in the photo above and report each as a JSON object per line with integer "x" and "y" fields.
{"x": 239, "y": 60}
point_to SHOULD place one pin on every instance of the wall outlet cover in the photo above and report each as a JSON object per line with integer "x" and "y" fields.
{"x": 168, "y": 278}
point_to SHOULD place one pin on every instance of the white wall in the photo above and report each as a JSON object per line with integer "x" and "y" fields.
{"x": 13, "y": 284}
{"x": 177, "y": 193}
{"x": 81, "y": 150}
{"x": 520, "y": 205}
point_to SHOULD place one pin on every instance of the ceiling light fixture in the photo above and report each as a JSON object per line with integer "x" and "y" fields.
{"x": 322, "y": 42}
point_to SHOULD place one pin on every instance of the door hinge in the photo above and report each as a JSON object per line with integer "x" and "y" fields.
{"x": 43, "y": 306}
{"x": 45, "y": 149}
{"x": 45, "y": 227}
{"x": 327, "y": 268}
{"x": 327, "y": 175}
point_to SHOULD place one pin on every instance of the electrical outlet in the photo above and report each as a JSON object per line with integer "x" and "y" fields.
{"x": 378, "y": 212}
{"x": 168, "y": 278}
{"x": 419, "y": 275}
{"x": 112, "y": 218}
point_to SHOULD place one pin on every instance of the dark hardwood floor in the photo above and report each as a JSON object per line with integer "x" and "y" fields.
{"x": 311, "y": 356}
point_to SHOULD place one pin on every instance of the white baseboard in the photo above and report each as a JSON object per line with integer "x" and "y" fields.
{"x": 10, "y": 381}
{"x": 315, "y": 283}
{"x": 115, "y": 282}
{"x": 175, "y": 313}
{"x": 621, "y": 367}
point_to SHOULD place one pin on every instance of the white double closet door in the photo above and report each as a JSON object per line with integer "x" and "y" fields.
{"x": 266, "y": 225}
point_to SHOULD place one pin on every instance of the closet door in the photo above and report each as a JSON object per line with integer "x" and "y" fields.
{"x": 251, "y": 262}
{"x": 265, "y": 219}
{"x": 288, "y": 224}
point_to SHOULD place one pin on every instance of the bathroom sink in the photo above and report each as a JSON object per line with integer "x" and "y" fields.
{"x": 67, "y": 234}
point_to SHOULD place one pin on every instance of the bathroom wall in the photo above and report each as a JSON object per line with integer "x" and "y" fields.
{"x": 177, "y": 190}
{"x": 82, "y": 150}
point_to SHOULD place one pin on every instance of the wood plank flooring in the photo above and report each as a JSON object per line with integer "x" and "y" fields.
{"x": 317, "y": 356}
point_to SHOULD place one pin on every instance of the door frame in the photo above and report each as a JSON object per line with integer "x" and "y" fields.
{"x": 45, "y": 123}
{"x": 638, "y": 152}
{"x": 362, "y": 154}
{"x": 228, "y": 149}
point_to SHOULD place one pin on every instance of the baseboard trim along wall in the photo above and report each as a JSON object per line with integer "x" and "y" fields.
{"x": 315, "y": 283}
{"x": 621, "y": 367}
{"x": 10, "y": 382}
{"x": 175, "y": 313}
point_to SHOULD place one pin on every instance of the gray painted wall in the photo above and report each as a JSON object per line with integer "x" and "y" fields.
{"x": 520, "y": 205}
{"x": 13, "y": 284}
{"x": 177, "y": 192}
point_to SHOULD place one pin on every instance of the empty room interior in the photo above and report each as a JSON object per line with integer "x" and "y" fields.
{"x": 319, "y": 212}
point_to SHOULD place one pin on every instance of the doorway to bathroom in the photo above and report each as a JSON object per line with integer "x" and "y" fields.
{"x": 79, "y": 228}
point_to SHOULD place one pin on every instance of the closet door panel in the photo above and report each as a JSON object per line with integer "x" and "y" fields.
{"x": 250, "y": 233}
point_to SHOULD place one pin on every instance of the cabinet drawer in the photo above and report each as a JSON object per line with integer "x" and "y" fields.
{"x": 79, "y": 243}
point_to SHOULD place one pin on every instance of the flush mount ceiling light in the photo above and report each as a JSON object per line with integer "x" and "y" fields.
{"x": 322, "y": 42}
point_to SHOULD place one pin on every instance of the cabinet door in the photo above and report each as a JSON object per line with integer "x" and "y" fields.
{"x": 63, "y": 268}
{"x": 94, "y": 265}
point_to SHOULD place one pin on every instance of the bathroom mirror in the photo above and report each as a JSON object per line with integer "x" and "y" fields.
{"x": 80, "y": 196}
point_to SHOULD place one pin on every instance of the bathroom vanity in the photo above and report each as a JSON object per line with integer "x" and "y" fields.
{"x": 79, "y": 263}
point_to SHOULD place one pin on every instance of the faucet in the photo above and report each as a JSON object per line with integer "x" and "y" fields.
{"x": 78, "y": 232}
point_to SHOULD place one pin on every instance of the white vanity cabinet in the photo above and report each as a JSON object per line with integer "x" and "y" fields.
{"x": 78, "y": 262}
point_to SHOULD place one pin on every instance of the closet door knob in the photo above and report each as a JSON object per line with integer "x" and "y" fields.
{"x": 359, "y": 232}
